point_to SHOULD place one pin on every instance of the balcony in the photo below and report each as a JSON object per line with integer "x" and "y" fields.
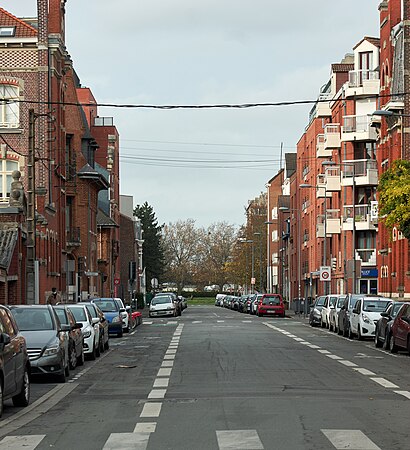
{"x": 367, "y": 256}
{"x": 362, "y": 83}
{"x": 332, "y": 179}
{"x": 73, "y": 237}
{"x": 332, "y": 223}
{"x": 320, "y": 147}
{"x": 321, "y": 191}
{"x": 332, "y": 136}
{"x": 357, "y": 128}
{"x": 363, "y": 218}
{"x": 365, "y": 171}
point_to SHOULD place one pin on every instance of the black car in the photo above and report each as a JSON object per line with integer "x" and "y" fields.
{"x": 315, "y": 316}
{"x": 14, "y": 362}
{"x": 383, "y": 325}
{"x": 75, "y": 336}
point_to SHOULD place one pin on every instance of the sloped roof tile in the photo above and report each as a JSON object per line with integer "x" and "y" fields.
{"x": 23, "y": 29}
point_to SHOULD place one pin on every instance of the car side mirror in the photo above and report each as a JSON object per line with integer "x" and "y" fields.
{"x": 4, "y": 339}
{"x": 122, "y": 310}
{"x": 385, "y": 314}
{"x": 128, "y": 308}
{"x": 77, "y": 326}
{"x": 95, "y": 320}
{"x": 65, "y": 328}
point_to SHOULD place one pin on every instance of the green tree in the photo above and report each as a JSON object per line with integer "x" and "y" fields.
{"x": 394, "y": 196}
{"x": 153, "y": 253}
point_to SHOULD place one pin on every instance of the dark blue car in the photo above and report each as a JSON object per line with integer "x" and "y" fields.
{"x": 111, "y": 311}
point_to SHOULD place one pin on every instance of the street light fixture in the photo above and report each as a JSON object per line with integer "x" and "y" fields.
{"x": 247, "y": 241}
{"x": 258, "y": 233}
{"x": 269, "y": 259}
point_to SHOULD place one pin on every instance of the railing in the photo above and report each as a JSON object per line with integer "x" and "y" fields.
{"x": 358, "y": 167}
{"x": 73, "y": 236}
{"x": 356, "y": 77}
{"x": 356, "y": 124}
{"x": 361, "y": 213}
{"x": 332, "y": 128}
{"x": 320, "y": 139}
{"x": 366, "y": 255}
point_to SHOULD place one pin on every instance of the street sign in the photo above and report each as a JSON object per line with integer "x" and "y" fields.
{"x": 117, "y": 281}
{"x": 154, "y": 283}
{"x": 253, "y": 280}
{"x": 325, "y": 272}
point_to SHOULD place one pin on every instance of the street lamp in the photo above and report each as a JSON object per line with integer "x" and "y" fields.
{"x": 257, "y": 233}
{"x": 269, "y": 259}
{"x": 299, "y": 271}
{"x": 247, "y": 241}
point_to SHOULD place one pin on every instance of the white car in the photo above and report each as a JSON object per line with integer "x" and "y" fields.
{"x": 162, "y": 306}
{"x": 365, "y": 315}
{"x": 334, "y": 312}
{"x": 329, "y": 304}
{"x": 90, "y": 330}
{"x": 124, "y": 313}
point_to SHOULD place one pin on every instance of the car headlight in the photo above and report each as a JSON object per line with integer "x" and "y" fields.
{"x": 49, "y": 351}
{"x": 170, "y": 307}
{"x": 316, "y": 312}
{"x": 116, "y": 319}
{"x": 87, "y": 333}
{"x": 365, "y": 318}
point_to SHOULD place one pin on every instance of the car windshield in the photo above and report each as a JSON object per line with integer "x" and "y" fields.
{"x": 33, "y": 319}
{"x": 107, "y": 305}
{"x": 79, "y": 314}
{"x": 332, "y": 301}
{"x": 273, "y": 300}
{"x": 340, "y": 301}
{"x": 91, "y": 310}
{"x": 375, "y": 305}
{"x": 160, "y": 300}
{"x": 320, "y": 301}
{"x": 62, "y": 316}
{"x": 395, "y": 309}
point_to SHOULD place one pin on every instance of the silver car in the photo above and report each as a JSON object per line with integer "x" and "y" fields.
{"x": 162, "y": 306}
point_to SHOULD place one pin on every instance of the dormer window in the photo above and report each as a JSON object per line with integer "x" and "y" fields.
{"x": 7, "y": 31}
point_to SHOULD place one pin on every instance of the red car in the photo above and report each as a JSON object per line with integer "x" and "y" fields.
{"x": 399, "y": 337}
{"x": 271, "y": 304}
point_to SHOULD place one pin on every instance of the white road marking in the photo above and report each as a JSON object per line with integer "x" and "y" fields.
{"x": 167, "y": 364}
{"x": 220, "y": 321}
{"x": 298, "y": 339}
{"x": 246, "y": 321}
{"x": 28, "y": 442}
{"x": 164, "y": 372}
{"x": 385, "y": 383}
{"x": 145, "y": 427}
{"x": 364, "y": 371}
{"x": 157, "y": 393}
{"x": 305, "y": 343}
{"x": 161, "y": 382}
{"x": 147, "y": 322}
{"x": 333, "y": 357}
{"x": 324, "y": 352}
{"x": 314, "y": 346}
{"x": 169, "y": 357}
{"x": 129, "y": 441}
{"x": 347, "y": 363}
{"x": 151, "y": 409}
{"x": 197, "y": 321}
{"x": 404, "y": 393}
{"x": 292, "y": 335}
{"x": 238, "y": 440}
{"x": 170, "y": 352}
{"x": 350, "y": 439}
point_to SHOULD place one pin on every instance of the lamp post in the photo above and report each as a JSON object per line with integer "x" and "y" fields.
{"x": 257, "y": 233}
{"x": 269, "y": 259}
{"x": 299, "y": 271}
{"x": 247, "y": 241}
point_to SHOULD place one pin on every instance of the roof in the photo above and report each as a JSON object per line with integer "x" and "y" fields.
{"x": 373, "y": 40}
{"x": 342, "y": 67}
{"x": 88, "y": 172}
{"x": 290, "y": 159}
{"x": 280, "y": 172}
{"x": 104, "y": 221}
{"x": 8, "y": 239}
{"x": 23, "y": 29}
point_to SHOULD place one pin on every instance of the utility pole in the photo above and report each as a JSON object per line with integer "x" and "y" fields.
{"x": 31, "y": 212}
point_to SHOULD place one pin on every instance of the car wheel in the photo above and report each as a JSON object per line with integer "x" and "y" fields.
{"x": 97, "y": 349}
{"x": 107, "y": 344}
{"x": 126, "y": 329}
{"x": 23, "y": 398}
{"x": 102, "y": 348}
{"x": 377, "y": 342}
{"x": 359, "y": 334}
{"x": 80, "y": 359}
{"x": 408, "y": 345}
{"x": 92, "y": 355}
{"x": 62, "y": 378}
{"x": 392, "y": 346}
{"x": 67, "y": 368}
{"x": 1, "y": 399}
{"x": 120, "y": 334}
{"x": 72, "y": 357}
{"x": 349, "y": 332}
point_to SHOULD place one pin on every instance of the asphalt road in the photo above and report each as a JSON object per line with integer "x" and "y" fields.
{"x": 217, "y": 379}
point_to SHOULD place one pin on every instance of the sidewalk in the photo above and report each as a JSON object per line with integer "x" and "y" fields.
{"x": 296, "y": 316}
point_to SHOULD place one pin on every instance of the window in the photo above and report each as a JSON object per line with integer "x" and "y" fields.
{"x": 9, "y": 108}
{"x": 6, "y": 169}
{"x": 274, "y": 213}
{"x": 7, "y": 31}
{"x": 275, "y": 236}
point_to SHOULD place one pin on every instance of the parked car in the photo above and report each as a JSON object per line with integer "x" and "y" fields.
{"x": 75, "y": 336}
{"x": 343, "y": 324}
{"x": 90, "y": 330}
{"x": 329, "y": 304}
{"x": 315, "y": 314}
{"x": 96, "y": 312}
{"x": 334, "y": 313}
{"x": 271, "y": 305}
{"x": 14, "y": 362}
{"x": 399, "y": 337}
{"x": 183, "y": 302}
{"x": 46, "y": 338}
{"x": 111, "y": 312}
{"x": 219, "y": 299}
{"x": 365, "y": 315}
{"x": 125, "y": 315}
{"x": 248, "y": 304}
{"x": 174, "y": 298}
{"x": 255, "y": 302}
{"x": 162, "y": 306}
{"x": 383, "y": 325}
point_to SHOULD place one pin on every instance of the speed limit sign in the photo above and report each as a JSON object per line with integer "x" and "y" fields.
{"x": 324, "y": 274}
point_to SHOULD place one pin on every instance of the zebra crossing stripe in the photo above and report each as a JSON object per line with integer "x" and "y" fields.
{"x": 130, "y": 441}
{"x": 28, "y": 442}
{"x": 239, "y": 440}
{"x": 354, "y": 439}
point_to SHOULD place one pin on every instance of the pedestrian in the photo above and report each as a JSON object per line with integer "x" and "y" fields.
{"x": 54, "y": 297}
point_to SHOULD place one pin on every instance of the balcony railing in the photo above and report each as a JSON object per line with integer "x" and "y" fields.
{"x": 357, "y": 128}
{"x": 321, "y": 191}
{"x": 332, "y": 179}
{"x": 332, "y": 136}
{"x": 320, "y": 147}
{"x": 73, "y": 237}
{"x": 357, "y": 77}
{"x": 361, "y": 215}
{"x": 367, "y": 256}
{"x": 364, "y": 170}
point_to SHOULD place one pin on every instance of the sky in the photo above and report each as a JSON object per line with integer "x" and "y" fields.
{"x": 206, "y": 164}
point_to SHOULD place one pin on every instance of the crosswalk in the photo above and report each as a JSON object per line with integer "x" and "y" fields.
{"x": 226, "y": 440}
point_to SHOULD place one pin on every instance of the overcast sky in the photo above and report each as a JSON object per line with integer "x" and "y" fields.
{"x": 206, "y": 164}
